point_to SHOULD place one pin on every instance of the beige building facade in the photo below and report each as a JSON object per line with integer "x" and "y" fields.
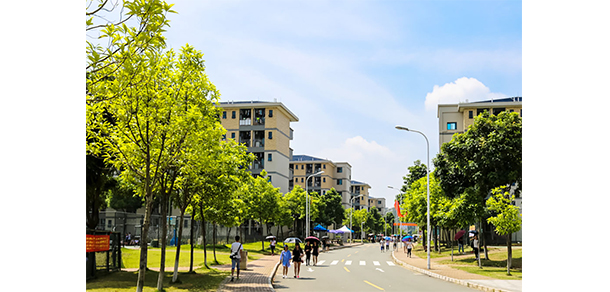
{"x": 263, "y": 127}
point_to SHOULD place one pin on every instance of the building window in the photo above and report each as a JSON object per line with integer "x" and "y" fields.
{"x": 323, "y": 179}
{"x": 339, "y": 169}
{"x": 109, "y": 223}
{"x": 186, "y": 223}
{"x": 269, "y": 157}
{"x": 521, "y": 112}
{"x": 271, "y": 113}
{"x": 233, "y": 135}
{"x": 302, "y": 166}
{"x": 340, "y": 182}
{"x": 224, "y": 115}
{"x": 481, "y": 110}
{"x": 498, "y": 110}
{"x": 233, "y": 115}
{"x": 269, "y": 178}
{"x": 270, "y": 135}
{"x": 301, "y": 179}
{"x": 451, "y": 126}
{"x": 224, "y": 137}
{"x": 296, "y": 179}
{"x": 470, "y": 114}
{"x": 324, "y": 166}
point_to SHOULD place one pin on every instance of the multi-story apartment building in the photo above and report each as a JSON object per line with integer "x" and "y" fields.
{"x": 456, "y": 118}
{"x": 360, "y": 189}
{"x": 336, "y": 175}
{"x": 264, "y": 127}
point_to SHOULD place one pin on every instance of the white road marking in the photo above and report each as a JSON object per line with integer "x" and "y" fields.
{"x": 309, "y": 270}
{"x": 376, "y": 263}
{"x": 390, "y": 263}
{"x": 321, "y": 262}
{"x": 348, "y": 263}
{"x": 379, "y": 270}
{"x": 362, "y": 263}
{"x": 334, "y": 262}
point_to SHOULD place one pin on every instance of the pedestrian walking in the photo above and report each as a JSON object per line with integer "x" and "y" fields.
{"x": 307, "y": 253}
{"x": 475, "y": 246}
{"x": 381, "y": 243}
{"x": 285, "y": 258}
{"x": 395, "y": 241}
{"x": 297, "y": 259}
{"x": 409, "y": 247}
{"x": 314, "y": 252}
{"x": 235, "y": 256}
{"x": 272, "y": 246}
{"x": 387, "y": 245}
{"x": 461, "y": 244}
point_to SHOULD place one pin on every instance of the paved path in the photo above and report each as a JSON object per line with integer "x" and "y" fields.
{"x": 454, "y": 275}
{"x": 258, "y": 275}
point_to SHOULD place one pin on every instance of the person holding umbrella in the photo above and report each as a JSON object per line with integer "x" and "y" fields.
{"x": 315, "y": 253}
{"x": 307, "y": 252}
{"x": 409, "y": 247}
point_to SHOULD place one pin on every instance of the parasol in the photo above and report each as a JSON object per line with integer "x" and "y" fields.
{"x": 270, "y": 237}
{"x": 311, "y": 238}
{"x": 459, "y": 234}
{"x": 292, "y": 240}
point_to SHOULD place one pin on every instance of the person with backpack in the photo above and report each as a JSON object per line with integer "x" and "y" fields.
{"x": 235, "y": 256}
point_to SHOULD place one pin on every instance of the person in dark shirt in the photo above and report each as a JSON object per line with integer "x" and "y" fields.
{"x": 297, "y": 255}
{"x": 315, "y": 253}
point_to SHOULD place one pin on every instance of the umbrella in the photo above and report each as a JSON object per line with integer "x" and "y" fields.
{"x": 459, "y": 234}
{"x": 387, "y": 238}
{"x": 311, "y": 238}
{"x": 324, "y": 237}
{"x": 408, "y": 237}
{"x": 270, "y": 237}
{"x": 292, "y": 240}
{"x": 473, "y": 232}
{"x": 319, "y": 228}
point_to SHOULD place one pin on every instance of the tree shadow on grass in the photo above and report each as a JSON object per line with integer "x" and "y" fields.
{"x": 203, "y": 280}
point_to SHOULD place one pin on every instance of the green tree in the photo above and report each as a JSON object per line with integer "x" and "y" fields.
{"x": 99, "y": 181}
{"x": 295, "y": 204}
{"x": 507, "y": 219}
{"x": 261, "y": 201}
{"x": 416, "y": 202}
{"x": 417, "y": 171}
{"x": 330, "y": 209}
{"x": 486, "y": 156}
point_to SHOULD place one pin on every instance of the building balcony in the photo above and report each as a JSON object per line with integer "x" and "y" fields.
{"x": 245, "y": 122}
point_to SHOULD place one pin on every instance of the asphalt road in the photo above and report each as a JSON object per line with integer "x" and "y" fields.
{"x": 361, "y": 268}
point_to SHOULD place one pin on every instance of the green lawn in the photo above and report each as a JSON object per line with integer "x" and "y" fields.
{"x": 131, "y": 257}
{"x": 205, "y": 280}
{"x": 495, "y": 267}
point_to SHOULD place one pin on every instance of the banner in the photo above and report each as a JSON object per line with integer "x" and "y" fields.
{"x": 397, "y": 207}
{"x": 405, "y": 224}
{"x": 98, "y": 243}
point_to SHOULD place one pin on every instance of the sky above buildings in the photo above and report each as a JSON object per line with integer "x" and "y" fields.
{"x": 352, "y": 70}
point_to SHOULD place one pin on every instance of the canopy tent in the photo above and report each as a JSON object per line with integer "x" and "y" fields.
{"x": 345, "y": 229}
{"x": 319, "y": 228}
{"x": 335, "y": 231}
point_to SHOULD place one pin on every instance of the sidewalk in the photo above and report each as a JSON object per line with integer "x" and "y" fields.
{"x": 258, "y": 275}
{"x": 447, "y": 273}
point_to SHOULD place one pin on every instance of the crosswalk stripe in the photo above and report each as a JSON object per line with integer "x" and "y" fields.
{"x": 321, "y": 262}
{"x": 348, "y": 263}
{"x": 362, "y": 263}
{"x": 376, "y": 263}
{"x": 334, "y": 262}
{"x": 390, "y": 263}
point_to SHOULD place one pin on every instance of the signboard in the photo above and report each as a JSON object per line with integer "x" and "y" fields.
{"x": 98, "y": 243}
{"x": 405, "y": 224}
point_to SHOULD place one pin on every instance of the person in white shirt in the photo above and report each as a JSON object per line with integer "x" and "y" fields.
{"x": 236, "y": 249}
{"x": 409, "y": 247}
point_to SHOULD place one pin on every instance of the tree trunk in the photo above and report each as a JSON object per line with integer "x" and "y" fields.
{"x": 178, "y": 244}
{"x": 163, "y": 243}
{"x": 205, "y": 252}
{"x": 509, "y": 260}
{"x": 192, "y": 242}
{"x": 485, "y": 238}
{"x": 262, "y": 241}
{"x": 229, "y": 234}
{"x": 214, "y": 241}
{"x": 436, "y": 248}
{"x": 144, "y": 235}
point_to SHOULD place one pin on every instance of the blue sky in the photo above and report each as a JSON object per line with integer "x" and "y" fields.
{"x": 352, "y": 70}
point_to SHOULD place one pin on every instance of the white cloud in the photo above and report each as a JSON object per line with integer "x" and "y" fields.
{"x": 461, "y": 90}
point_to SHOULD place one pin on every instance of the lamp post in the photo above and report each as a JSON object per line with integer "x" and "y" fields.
{"x": 307, "y": 202}
{"x": 427, "y": 185}
{"x": 397, "y": 216}
{"x": 351, "y": 204}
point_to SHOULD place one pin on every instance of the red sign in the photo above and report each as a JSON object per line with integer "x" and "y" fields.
{"x": 98, "y": 243}
{"x": 405, "y": 224}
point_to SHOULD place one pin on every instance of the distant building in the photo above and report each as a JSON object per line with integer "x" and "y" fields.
{"x": 263, "y": 127}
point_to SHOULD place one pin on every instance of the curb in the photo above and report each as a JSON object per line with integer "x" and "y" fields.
{"x": 448, "y": 279}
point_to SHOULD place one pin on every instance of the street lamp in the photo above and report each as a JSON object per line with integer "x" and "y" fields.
{"x": 398, "y": 217}
{"x": 351, "y": 204}
{"x": 427, "y": 185}
{"x": 307, "y": 202}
